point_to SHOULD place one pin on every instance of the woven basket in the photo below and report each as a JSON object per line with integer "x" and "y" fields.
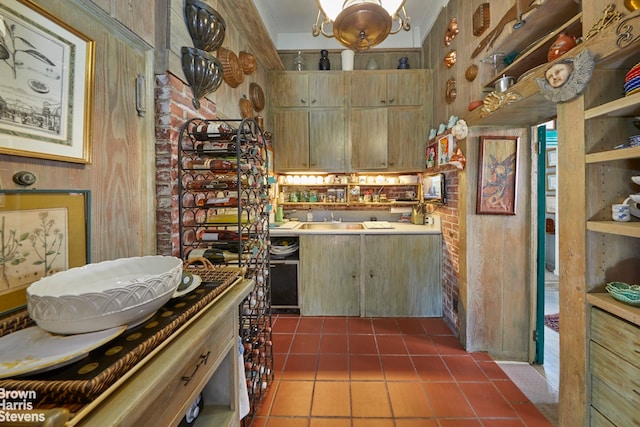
{"x": 232, "y": 70}
{"x": 248, "y": 62}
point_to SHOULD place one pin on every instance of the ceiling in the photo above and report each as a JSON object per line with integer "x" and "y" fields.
{"x": 289, "y": 24}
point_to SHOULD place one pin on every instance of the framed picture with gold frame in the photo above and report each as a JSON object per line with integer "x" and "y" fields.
{"x": 46, "y": 90}
{"x": 498, "y": 175}
{"x": 42, "y": 232}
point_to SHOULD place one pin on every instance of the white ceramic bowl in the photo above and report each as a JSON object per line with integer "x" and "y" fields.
{"x": 103, "y": 295}
{"x": 635, "y": 197}
{"x": 636, "y": 179}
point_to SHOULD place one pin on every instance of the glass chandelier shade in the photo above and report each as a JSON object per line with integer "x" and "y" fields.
{"x": 360, "y": 24}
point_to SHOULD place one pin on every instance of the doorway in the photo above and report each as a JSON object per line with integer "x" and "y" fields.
{"x": 547, "y": 356}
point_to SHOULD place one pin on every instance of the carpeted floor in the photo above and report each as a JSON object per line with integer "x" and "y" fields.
{"x": 552, "y": 321}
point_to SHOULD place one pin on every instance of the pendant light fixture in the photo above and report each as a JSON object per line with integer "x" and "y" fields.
{"x": 360, "y": 24}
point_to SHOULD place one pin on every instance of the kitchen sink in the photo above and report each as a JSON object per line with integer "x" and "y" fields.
{"x": 332, "y": 226}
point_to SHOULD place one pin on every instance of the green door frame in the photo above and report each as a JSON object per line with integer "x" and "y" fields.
{"x": 541, "y": 234}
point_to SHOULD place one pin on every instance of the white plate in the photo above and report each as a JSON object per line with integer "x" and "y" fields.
{"x": 197, "y": 281}
{"x": 33, "y": 349}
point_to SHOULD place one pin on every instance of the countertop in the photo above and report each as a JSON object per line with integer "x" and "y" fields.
{"x": 295, "y": 228}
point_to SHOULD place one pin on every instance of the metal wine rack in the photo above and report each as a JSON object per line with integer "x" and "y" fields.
{"x": 223, "y": 189}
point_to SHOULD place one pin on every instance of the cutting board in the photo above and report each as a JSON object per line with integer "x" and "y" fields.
{"x": 377, "y": 224}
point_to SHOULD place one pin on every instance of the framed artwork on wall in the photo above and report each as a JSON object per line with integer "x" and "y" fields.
{"x": 431, "y": 156}
{"x": 41, "y": 233}
{"x": 552, "y": 157}
{"x": 46, "y": 90}
{"x": 552, "y": 183}
{"x": 497, "y": 180}
{"x": 445, "y": 148}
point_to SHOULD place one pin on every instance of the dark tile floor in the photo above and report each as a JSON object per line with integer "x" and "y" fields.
{"x": 385, "y": 372}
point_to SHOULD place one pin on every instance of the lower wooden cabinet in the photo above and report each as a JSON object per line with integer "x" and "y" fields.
{"x": 330, "y": 275}
{"x": 371, "y": 275}
{"x": 402, "y": 275}
{"x": 615, "y": 370}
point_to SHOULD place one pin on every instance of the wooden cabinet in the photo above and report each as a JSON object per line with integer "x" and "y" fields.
{"x": 614, "y": 368}
{"x": 308, "y": 120}
{"x": 313, "y": 89}
{"x": 387, "y": 119}
{"x": 402, "y": 275}
{"x": 330, "y": 275}
{"x": 204, "y": 351}
{"x": 382, "y": 126}
{"x": 367, "y": 275}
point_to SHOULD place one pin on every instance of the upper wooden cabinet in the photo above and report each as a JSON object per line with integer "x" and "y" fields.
{"x": 387, "y": 119}
{"x": 387, "y": 88}
{"x": 337, "y": 121}
{"x": 307, "y": 89}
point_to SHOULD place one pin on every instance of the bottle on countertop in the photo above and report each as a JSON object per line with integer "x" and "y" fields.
{"x": 310, "y": 215}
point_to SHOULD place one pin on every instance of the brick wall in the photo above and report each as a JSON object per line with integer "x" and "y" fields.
{"x": 173, "y": 109}
{"x": 450, "y": 238}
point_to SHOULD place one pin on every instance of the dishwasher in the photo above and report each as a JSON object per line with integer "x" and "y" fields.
{"x": 284, "y": 260}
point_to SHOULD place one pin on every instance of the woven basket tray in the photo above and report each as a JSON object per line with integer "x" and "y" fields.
{"x": 84, "y": 380}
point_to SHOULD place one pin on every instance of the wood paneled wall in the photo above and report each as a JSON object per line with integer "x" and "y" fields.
{"x": 120, "y": 176}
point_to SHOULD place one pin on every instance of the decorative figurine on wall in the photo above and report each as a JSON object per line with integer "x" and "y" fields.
{"x": 567, "y": 78}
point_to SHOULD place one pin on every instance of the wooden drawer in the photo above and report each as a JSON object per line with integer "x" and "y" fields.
{"x": 187, "y": 379}
{"x": 618, "y": 374}
{"x": 617, "y": 335}
{"x": 599, "y": 420}
{"x": 614, "y": 406}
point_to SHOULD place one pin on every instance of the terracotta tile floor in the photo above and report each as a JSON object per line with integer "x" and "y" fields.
{"x": 382, "y": 372}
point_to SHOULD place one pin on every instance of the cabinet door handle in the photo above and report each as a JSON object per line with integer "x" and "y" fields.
{"x": 370, "y": 273}
{"x": 383, "y": 101}
{"x": 202, "y": 361}
{"x": 302, "y": 101}
{"x": 314, "y": 101}
{"x": 354, "y": 275}
{"x": 392, "y": 100}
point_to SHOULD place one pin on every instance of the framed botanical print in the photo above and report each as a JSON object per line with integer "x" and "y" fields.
{"x": 41, "y": 233}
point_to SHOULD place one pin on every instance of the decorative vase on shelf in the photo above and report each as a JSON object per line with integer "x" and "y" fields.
{"x": 298, "y": 62}
{"x": 372, "y": 64}
{"x": 325, "y": 64}
{"x": 347, "y": 56}
{"x": 403, "y": 64}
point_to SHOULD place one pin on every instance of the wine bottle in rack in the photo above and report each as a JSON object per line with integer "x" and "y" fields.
{"x": 214, "y": 234}
{"x": 211, "y": 164}
{"x": 215, "y": 256}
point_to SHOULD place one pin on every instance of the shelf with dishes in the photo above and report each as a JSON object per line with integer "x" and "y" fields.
{"x": 352, "y": 191}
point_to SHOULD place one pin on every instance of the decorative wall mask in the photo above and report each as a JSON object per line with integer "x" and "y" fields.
{"x": 451, "y": 32}
{"x": 450, "y": 58}
{"x": 567, "y": 78}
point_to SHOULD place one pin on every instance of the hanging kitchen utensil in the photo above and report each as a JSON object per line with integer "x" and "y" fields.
{"x": 257, "y": 96}
{"x": 481, "y": 19}
{"x": 451, "y": 92}
{"x": 246, "y": 109}
{"x": 451, "y": 31}
{"x": 471, "y": 72}
{"x": 233, "y": 74}
{"x": 511, "y": 15}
